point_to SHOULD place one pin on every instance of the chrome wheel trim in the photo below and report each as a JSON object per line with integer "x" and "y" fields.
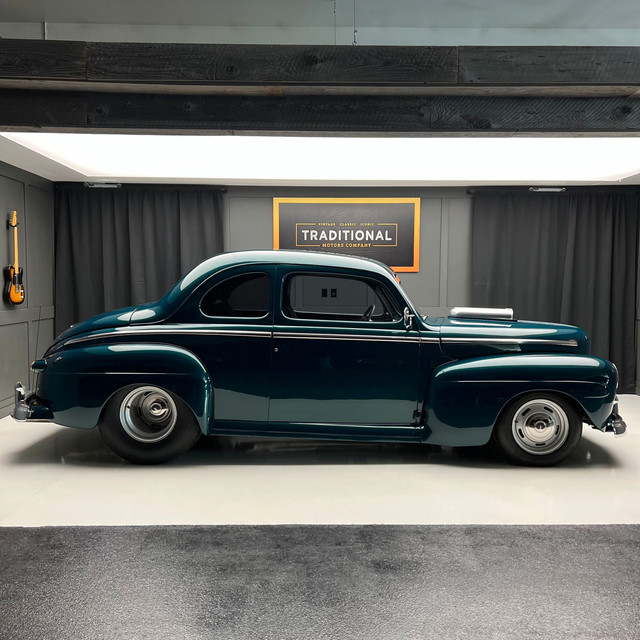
{"x": 148, "y": 414}
{"x": 540, "y": 427}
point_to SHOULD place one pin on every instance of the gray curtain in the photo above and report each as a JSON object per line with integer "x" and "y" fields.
{"x": 127, "y": 246}
{"x": 569, "y": 258}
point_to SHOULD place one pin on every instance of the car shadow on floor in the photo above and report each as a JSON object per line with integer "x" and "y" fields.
{"x": 86, "y": 448}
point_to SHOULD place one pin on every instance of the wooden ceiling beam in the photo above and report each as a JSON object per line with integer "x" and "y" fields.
{"x": 318, "y": 65}
{"x": 335, "y": 115}
{"x": 335, "y": 90}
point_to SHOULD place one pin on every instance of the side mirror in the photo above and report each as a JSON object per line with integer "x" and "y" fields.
{"x": 408, "y": 317}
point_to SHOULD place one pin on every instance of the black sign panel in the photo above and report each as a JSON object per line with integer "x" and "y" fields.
{"x": 385, "y": 229}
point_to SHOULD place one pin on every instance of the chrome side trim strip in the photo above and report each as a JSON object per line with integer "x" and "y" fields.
{"x": 191, "y": 329}
{"x": 411, "y": 428}
{"x": 84, "y": 338}
{"x": 526, "y": 380}
{"x": 488, "y": 341}
{"x": 350, "y": 338}
{"x": 156, "y": 331}
{"x": 153, "y": 331}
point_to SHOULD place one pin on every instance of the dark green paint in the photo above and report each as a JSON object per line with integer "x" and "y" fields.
{"x": 510, "y": 334}
{"x": 466, "y": 397}
{"x": 445, "y": 381}
{"x": 77, "y": 382}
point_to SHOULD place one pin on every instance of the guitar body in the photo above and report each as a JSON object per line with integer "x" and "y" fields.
{"x": 13, "y": 288}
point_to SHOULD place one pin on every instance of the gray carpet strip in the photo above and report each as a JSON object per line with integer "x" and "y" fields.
{"x": 350, "y": 582}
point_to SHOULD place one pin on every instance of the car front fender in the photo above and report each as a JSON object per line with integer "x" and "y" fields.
{"x": 465, "y": 398}
{"x": 77, "y": 383}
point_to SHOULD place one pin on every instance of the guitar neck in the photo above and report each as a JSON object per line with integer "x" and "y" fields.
{"x": 16, "y": 264}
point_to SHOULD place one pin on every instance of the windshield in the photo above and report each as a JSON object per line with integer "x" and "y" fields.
{"x": 407, "y": 297}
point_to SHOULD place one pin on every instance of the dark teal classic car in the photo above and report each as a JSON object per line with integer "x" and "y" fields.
{"x": 309, "y": 345}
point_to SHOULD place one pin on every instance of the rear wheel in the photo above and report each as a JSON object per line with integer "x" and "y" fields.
{"x": 148, "y": 425}
{"x": 539, "y": 429}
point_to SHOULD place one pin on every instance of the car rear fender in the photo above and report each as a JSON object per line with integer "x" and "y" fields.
{"x": 77, "y": 383}
{"x": 465, "y": 398}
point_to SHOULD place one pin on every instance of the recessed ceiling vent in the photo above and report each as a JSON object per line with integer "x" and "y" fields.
{"x": 482, "y": 313}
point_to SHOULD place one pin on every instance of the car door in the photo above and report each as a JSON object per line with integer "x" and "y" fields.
{"x": 227, "y": 323}
{"x": 343, "y": 363}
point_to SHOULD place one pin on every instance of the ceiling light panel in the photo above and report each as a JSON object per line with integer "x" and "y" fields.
{"x": 336, "y": 160}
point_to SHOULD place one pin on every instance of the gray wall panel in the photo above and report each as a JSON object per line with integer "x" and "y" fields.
{"x": 250, "y": 223}
{"x": 41, "y": 335}
{"x": 27, "y": 329}
{"x": 14, "y": 339}
{"x": 40, "y": 246}
{"x": 459, "y": 253}
{"x": 424, "y": 287}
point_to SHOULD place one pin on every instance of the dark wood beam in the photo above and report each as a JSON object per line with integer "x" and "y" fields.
{"x": 320, "y": 114}
{"x": 366, "y": 114}
{"x": 328, "y": 66}
{"x": 339, "y": 90}
{"x": 536, "y": 115}
{"x": 43, "y": 59}
{"x": 337, "y": 115}
{"x": 271, "y": 64}
{"x": 549, "y": 66}
{"x": 43, "y": 110}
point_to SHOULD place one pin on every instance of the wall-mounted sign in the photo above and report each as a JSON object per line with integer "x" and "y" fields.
{"x": 385, "y": 229}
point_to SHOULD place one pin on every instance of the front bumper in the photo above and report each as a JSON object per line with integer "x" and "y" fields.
{"x": 615, "y": 424}
{"x": 29, "y": 407}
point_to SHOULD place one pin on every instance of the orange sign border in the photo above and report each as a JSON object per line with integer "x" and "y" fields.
{"x": 414, "y": 268}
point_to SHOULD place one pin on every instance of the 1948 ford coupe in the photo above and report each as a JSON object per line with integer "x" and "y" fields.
{"x": 301, "y": 344}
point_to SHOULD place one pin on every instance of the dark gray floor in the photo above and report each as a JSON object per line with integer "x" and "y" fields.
{"x": 320, "y": 582}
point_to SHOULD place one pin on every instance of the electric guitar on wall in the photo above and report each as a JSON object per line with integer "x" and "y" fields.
{"x": 13, "y": 289}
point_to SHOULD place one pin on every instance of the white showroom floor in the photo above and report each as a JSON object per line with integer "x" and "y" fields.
{"x": 52, "y": 475}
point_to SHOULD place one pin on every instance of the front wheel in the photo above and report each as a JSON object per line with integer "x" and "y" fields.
{"x": 539, "y": 429}
{"x": 148, "y": 425}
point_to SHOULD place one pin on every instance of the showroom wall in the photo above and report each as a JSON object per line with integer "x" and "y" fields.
{"x": 27, "y": 329}
{"x": 444, "y": 280}
{"x": 445, "y": 235}
{"x": 343, "y": 22}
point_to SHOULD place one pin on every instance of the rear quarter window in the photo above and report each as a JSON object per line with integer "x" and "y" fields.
{"x": 247, "y": 295}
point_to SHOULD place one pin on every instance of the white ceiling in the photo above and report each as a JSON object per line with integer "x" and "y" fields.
{"x": 580, "y": 14}
{"x": 310, "y": 161}
{"x": 409, "y": 22}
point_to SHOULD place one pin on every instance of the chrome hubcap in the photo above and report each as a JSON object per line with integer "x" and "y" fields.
{"x": 148, "y": 414}
{"x": 540, "y": 427}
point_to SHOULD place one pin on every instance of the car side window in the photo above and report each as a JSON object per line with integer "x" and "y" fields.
{"x": 243, "y": 296}
{"x": 322, "y": 297}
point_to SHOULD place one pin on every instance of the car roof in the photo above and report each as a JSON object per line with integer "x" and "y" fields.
{"x": 303, "y": 258}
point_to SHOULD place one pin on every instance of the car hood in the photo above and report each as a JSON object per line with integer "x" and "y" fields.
{"x": 466, "y": 337}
